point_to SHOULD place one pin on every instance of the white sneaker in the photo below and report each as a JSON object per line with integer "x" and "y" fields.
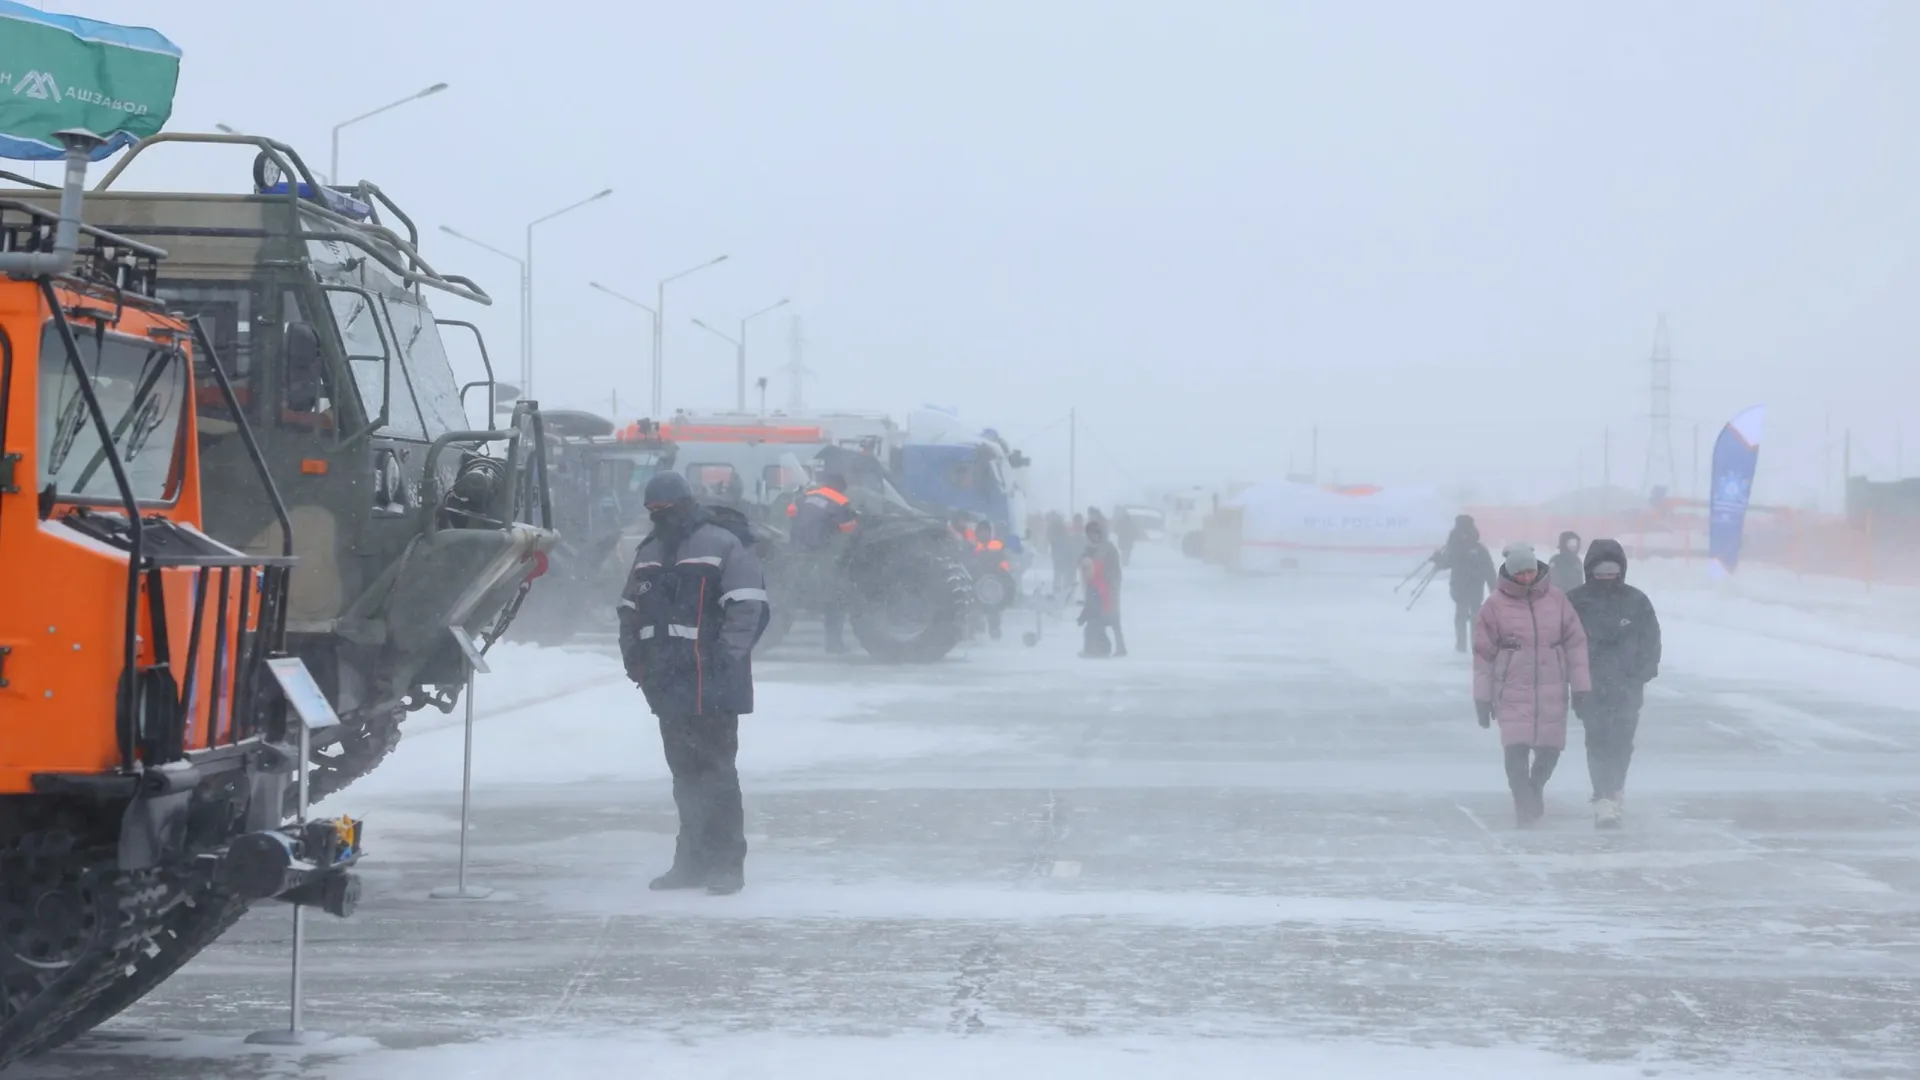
{"x": 1606, "y": 813}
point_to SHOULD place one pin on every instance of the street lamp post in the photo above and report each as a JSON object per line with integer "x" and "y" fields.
{"x": 740, "y": 351}
{"x": 522, "y": 264}
{"x": 333, "y": 165}
{"x": 659, "y": 325}
{"x": 650, "y": 311}
{"x": 526, "y": 372}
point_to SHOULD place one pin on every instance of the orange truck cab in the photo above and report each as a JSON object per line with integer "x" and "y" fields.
{"x": 137, "y": 706}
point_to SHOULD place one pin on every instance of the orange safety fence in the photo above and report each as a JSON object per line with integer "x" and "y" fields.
{"x": 1804, "y": 542}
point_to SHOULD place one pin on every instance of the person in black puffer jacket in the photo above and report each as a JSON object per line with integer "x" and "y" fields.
{"x": 1623, "y": 652}
{"x": 1470, "y": 573}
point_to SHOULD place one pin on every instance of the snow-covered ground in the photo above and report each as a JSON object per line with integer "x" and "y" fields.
{"x": 1273, "y": 842}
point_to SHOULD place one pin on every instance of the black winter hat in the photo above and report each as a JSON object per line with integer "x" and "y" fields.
{"x": 668, "y": 487}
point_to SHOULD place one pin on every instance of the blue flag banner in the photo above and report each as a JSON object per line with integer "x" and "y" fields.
{"x": 1735, "y": 454}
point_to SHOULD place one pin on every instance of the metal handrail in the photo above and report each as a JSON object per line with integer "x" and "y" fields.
{"x": 419, "y": 272}
{"x": 485, "y": 359}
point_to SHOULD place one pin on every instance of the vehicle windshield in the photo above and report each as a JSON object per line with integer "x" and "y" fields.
{"x": 424, "y": 358}
{"x": 365, "y": 346}
{"x": 141, "y": 386}
{"x": 874, "y": 482}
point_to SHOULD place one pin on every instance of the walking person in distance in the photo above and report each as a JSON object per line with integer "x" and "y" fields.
{"x": 1470, "y": 574}
{"x": 1529, "y": 651}
{"x": 1623, "y": 649}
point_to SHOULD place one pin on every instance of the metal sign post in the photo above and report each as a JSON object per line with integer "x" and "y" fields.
{"x": 315, "y": 713}
{"x": 476, "y": 662}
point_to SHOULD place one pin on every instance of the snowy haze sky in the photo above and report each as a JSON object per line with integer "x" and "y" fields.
{"x": 1442, "y": 232}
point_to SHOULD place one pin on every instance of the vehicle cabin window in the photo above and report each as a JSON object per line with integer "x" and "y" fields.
{"x": 309, "y": 397}
{"x": 226, "y": 311}
{"x": 782, "y": 477}
{"x": 365, "y": 343}
{"x": 423, "y": 357}
{"x": 962, "y": 475}
{"x": 142, "y": 387}
{"x": 715, "y": 481}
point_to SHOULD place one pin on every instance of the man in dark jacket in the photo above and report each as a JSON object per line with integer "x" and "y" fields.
{"x": 1623, "y": 651}
{"x": 1565, "y": 565}
{"x": 1470, "y": 573}
{"x": 694, "y": 605}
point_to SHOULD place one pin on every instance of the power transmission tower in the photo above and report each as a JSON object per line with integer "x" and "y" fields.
{"x": 796, "y": 370}
{"x": 1660, "y": 467}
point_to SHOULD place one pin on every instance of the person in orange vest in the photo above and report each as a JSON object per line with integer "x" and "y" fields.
{"x": 822, "y": 514}
{"x": 1100, "y": 569}
{"x": 989, "y": 553}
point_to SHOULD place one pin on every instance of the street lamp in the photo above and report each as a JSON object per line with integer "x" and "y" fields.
{"x": 659, "y": 325}
{"x": 740, "y": 351}
{"x": 520, "y": 262}
{"x": 333, "y": 166}
{"x": 630, "y": 300}
{"x": 526, "y": 374}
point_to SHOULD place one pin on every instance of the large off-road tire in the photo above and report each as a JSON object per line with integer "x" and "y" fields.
{"x": 921, "y": 600}
{"x": 994, "y": 590}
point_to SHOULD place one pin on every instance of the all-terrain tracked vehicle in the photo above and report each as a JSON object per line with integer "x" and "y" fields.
{"x": 599, "y": 473}
{"x": 403, "y": 522}
{"x": 900, "y": 574}
{"x": 144, "y": 747}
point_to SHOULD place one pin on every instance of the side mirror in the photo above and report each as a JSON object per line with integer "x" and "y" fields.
{"x": 392, "y": 495}
{"x": 306, "y": 368}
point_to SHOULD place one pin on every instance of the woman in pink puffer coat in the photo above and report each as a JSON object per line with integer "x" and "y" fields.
{"x": 1529, "y": 650}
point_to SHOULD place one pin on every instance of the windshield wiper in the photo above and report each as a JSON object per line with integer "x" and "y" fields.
{"x": 136, "y": 408}
{"x": 72, "y": 420}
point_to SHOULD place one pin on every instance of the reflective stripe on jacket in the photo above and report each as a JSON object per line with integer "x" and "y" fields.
{"x": 689, "y": 620}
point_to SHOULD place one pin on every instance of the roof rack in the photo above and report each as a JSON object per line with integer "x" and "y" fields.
{"x": 27, "y": 181}
{"x": 323, "y": 201}
{"x": 105, "y": 259}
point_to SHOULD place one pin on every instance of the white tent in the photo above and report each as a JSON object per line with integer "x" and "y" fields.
{"x": 1352, "y": 528}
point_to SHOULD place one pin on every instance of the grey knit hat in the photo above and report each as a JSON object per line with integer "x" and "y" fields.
{"x": 1520, "y": 557}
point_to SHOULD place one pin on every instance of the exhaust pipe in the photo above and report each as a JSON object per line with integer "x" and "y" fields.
{"x": 79, "y": 144}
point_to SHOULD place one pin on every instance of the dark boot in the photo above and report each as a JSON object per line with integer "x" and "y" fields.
{"x": 683, "y": 875}
{"x": 1544, "y": 759}
{"x": 727, "y": 881}
{"x": 726, "y": 835}
{"x": 1520, "y": 785}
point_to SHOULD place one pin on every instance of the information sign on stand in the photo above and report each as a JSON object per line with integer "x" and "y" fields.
{"x": 476, "y": 662}
{"x": 316, "y": 713}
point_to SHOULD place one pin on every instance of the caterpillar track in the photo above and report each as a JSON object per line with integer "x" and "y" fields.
{"x": 195, "y": 921}
{"x": 71, "y": 924}
{"x": 360, "y": 748}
